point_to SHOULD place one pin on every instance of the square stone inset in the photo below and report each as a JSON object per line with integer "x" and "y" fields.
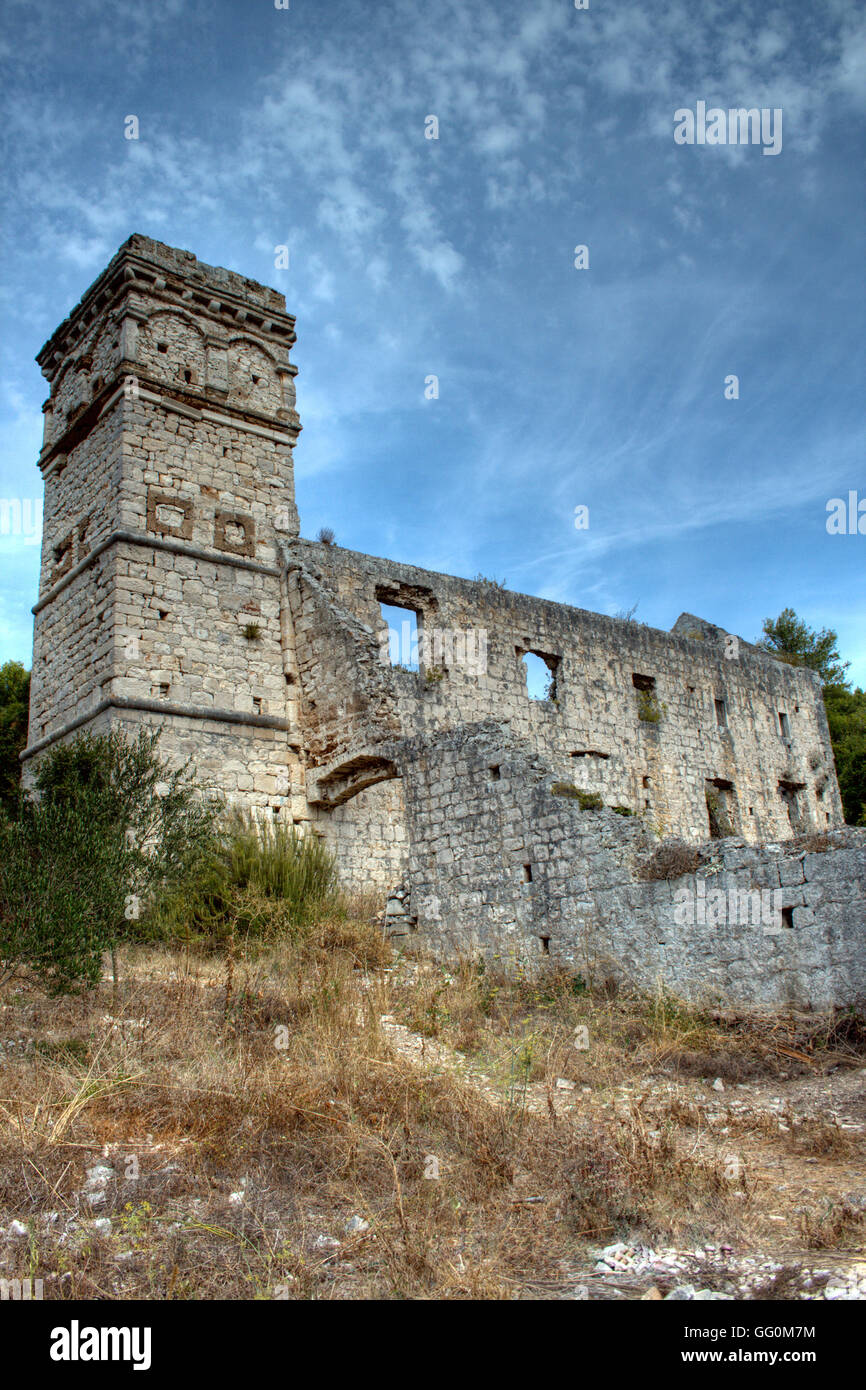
{"x": 157, "y": 501}
{"x": 235, "y": 533}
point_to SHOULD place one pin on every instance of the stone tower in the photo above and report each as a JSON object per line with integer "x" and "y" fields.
{"x": 167, "y": 463}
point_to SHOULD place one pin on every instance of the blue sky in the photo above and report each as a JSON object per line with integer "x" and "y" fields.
{"x": 454, "y": 257}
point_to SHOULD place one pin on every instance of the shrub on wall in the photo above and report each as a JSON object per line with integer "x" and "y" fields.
{"x": 672, "y": 859}
{"x": 648, "y": 707}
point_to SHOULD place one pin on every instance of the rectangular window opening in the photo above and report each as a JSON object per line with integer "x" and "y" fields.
{"x": 784, "y": 726}
{"x": 790, "y": 794}
{"x": 495, "y": 773}
{"x": 545, "y": 945}
{"x": 401, "y": 626}
{"x": 541, "y": 673}
{"x": 788, "y": 917}
{"x": 721, "y": 800}
{"x": 527, "y": 873}
{"x": 721, "y": 714}
{"x": 643, "y": 682}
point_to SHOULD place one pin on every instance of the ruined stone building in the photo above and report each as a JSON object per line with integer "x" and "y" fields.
{"x": 175, "y": 589}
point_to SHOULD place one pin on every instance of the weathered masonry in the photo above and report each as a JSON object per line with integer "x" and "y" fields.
{"x": 168, "y": 479}
{"x": 175, "y": 589}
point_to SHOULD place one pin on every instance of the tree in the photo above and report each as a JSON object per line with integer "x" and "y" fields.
{"x": 61, "y": 895}
{"x": 111, "y": 830}
{"x": 846, "y": 716}
{"x": 14, "y": 712}
{"x": 791, "y": 640}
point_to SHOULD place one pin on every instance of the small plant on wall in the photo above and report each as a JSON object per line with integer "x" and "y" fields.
{"x": 648, "y": 707}
{"x": 588, "y": 801}
{"x": 252, "y": 632}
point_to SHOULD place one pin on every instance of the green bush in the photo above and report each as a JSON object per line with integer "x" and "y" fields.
{"x": 279, "y": 863}
{"x": 846, "y": 715}
{"x": 62, "y": 895}
{"x": 261, "y": 880}
{"x": 110, "y": 832}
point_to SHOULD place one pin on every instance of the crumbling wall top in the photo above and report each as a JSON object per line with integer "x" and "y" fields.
{"x": 169, "y": 271}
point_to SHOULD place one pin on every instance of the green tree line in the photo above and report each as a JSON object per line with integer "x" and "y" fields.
{"x": 789, "y": 639}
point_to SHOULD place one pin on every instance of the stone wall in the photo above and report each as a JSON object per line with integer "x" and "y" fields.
{"x": 348, "y": 699}
{"x": 502, "y": 866}
{"x": 369, "y": 837}
{"x": 711, "y": 722}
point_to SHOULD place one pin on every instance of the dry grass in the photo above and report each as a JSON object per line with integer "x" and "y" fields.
{"x": 789, "y": 1282}
{"x": 803, "y": 1135}
{"x": 250, "y": 1105}
{"x": 671, "y": 860}
{"x": 839, "y": 1226}
{"x": 530, "y": 1027}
